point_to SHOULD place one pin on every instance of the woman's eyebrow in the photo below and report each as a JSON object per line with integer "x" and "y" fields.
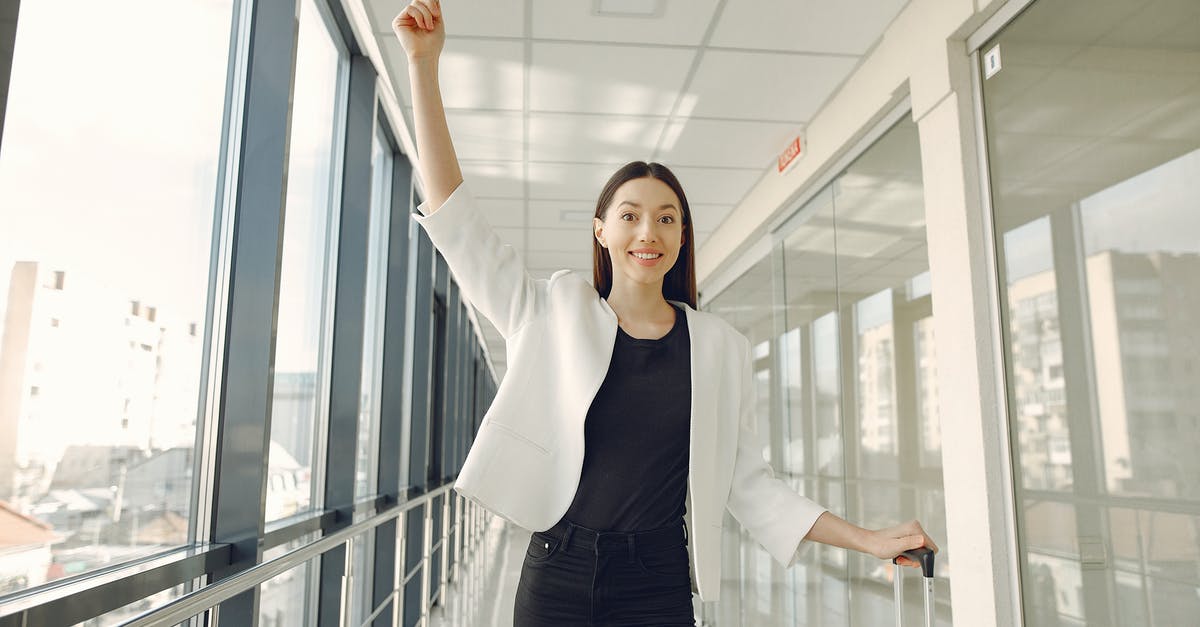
{"x": 630, "y": 202}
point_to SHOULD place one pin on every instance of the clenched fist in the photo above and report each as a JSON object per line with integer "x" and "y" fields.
{"x": 420, "y": 29}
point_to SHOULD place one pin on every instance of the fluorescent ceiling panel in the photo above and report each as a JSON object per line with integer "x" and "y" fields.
{"x": 494, "y": 179}
{"x": 561, "y": 181}
{"x": 487, "y": 136}
{"x": 592, "y": 138}
{"x": 475, "y": 74}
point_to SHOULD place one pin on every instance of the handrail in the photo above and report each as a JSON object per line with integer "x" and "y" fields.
{"x": 212, "y": 595}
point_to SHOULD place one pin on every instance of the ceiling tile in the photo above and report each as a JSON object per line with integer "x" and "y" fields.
{"x": 682, "y": 23}
{"x": 592, "y": 138}
{"x": 707, "y": 217}
{"x": 475, "y": 74}
{"x": 714, "y": 185}
{"x": 561, "y": 240}
{"x": 494, "y": 179}
{"x": 486, "y": 135}
{"x": 587, "y": 78}
{"x": 561, "y": 181}
{"x": 754, "y": 85}
{"x": 843, "y": 27}
{"x": 731, "y": 144}
{"x": 562, "y": 213}
{"x": 487, "y": 18}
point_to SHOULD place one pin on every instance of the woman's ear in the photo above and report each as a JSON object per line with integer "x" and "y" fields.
{"x": 598, "y": 231}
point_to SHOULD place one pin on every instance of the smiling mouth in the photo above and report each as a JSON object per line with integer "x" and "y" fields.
{"x": 646, "y": 261}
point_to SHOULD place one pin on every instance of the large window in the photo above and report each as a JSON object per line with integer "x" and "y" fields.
{"x": 1094, "y": 144}
{"x": 108, "y": 176}
{"x": 305, "y": 287}
{"x": 175, "y": 263}
{"x": 367, "y": 458}
{"x": 840, "y": 316}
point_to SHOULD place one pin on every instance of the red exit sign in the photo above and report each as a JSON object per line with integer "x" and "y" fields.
{"x": 789, "y": 155}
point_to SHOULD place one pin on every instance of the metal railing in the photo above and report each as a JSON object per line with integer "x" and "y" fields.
{"x": 93, "y": 596}
{"x": 210, "y": 596}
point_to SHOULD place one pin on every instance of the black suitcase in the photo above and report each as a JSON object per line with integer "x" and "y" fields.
{"x": 924, "y": 557}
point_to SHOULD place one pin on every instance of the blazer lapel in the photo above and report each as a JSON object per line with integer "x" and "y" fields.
{"x": 703, "y": 425}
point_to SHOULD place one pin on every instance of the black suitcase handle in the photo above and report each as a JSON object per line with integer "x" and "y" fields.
{"x": 923, "y": 555}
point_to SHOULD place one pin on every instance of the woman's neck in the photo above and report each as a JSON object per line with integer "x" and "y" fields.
{"x": 638, "y": 303}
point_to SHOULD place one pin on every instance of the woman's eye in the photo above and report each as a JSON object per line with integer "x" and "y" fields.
{"x": 669, "y": 219}
{"x": 626, "y": 215}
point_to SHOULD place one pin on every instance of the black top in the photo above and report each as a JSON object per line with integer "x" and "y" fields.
{"x": 636, "y": 436}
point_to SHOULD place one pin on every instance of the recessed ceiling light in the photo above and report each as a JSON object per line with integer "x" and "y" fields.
{"x": 628, "y": 8}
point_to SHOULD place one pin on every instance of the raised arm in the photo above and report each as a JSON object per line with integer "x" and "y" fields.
{"x": 422, "y": 32}
{"x": 491, "y": 274}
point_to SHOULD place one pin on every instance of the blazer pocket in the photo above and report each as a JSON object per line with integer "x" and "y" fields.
{"x": 520, "y": 436}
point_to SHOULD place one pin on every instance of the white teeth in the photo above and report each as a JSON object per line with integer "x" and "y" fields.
{"x": 645, "y": 255}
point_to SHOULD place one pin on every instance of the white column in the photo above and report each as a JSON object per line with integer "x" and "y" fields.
{"x": 976, "y": 463}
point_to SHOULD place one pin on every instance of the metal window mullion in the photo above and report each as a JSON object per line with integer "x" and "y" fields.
{"x": 260, "y": 184}
{"x": 1087, "y": 469}
{"x": 418, "y": 403}
{"x": 450, "y": 387}
{"x": 345, "y": 388}
{"x": 388, "y": 539}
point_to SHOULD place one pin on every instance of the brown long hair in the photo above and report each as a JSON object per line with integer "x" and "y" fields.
{"x": 680, "y": 282}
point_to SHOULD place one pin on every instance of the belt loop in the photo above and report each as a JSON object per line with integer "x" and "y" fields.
{"x": 566, "y": 541}
{"x": 632, "y": 553}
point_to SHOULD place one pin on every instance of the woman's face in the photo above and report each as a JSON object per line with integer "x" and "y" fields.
{"x": 645, "y": 217}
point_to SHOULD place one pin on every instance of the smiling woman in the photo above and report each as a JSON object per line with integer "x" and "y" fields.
{"x": 644, "y": 407}
{"x": 643, "y": 211}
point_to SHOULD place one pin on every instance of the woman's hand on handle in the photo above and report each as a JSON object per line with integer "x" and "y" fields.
{"x": 883, "y": 543}
{"x": 420, "y": 29}
{"x": 890, "y": 542}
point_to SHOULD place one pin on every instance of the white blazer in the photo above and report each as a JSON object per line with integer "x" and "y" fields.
{"x": 525, "y": 462}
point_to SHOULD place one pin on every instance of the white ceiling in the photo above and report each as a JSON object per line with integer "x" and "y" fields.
{"x": 546, "y": 98}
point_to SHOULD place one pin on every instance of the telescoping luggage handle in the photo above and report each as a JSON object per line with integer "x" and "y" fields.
{"x": 923, "y": 556}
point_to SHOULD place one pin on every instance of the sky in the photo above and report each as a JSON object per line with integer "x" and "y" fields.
{"x": 111, "y": 148}
{"x": 112, "y": 131}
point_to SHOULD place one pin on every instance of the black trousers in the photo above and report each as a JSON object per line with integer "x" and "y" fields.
{"x": 573, "y": 575}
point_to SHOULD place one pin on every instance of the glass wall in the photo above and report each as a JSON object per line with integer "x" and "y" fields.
{"x": 367, "y": 457}
{"x": 301, "y": 353}
{"x": 163, "y": 327}
{"x": 841, "y": 320}
{"x": 108, "y": 172}
{"x": 1094, "y": 147}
